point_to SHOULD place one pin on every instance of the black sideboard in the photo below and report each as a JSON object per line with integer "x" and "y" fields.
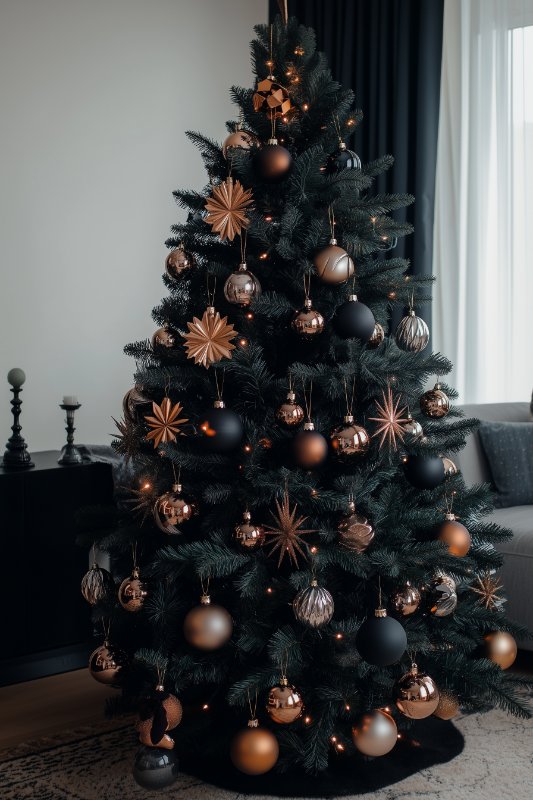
{"x": 44, "y": 619}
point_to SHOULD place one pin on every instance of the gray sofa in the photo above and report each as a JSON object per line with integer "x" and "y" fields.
{"x": 517, "y": 571}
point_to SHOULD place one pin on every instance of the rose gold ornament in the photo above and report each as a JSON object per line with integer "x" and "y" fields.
{"x": 333, "y": 264}
{"x": 406, "y": 600}
{"x": 412, "y": 334}
{"x": 284, "y": 704}
{"x": 435, "y": 403}
{"x": 448, "y": 706}
{"x": 239, "y": 140}
{"x": 165, "y": 422}
{"x": 500, "y": 647}
{"x": 242, "y": 287}
{"x": 132, "y": 592}
{"x": 450, "y": 468}
{"x": 172, "y": 510}
{"x": 455, "y": 536}
{"x": 350, "y": 439}
{"x": 227, "y": 208}
{"x": 97, "y": 584}
{"x": 272, "y": 162}
{"x": 166, "y": 742}
{"x": 417, "y": 696}
{"x": 177, "y": 262}
{"x": 249, "y": 536}
{"x": 391, "y": 420}
{"x": 163, "y": 337}
{"x": 442, "y": 596}
{"x": 308, "y": 322}
{"x": 377, "y": 337}
{"x": 106, "y": 664}
{"x": 209, "y": 339}
{"x": 412, "y": 429}
{"x": 169, "y": 714}
{"x": 309, "y": 447}
{"x": 254, "y": 750}
{"x": 271, "y": 98}
{"x": 290, "y": 413}
{"x": 375, "y": 733}
{"x": 287, "y": 531}
{"x": 313, "y": 606}
{"x": 207, "y": 626}
{"x": 133, "y": 400}
{"x": 355, "y": 532}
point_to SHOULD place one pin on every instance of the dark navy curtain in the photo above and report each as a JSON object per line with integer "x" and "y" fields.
{"x": 389, "y": 53}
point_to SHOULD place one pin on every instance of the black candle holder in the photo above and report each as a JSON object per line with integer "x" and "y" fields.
{"x": 69, "y": 452}
{"x": 16, "y": 455}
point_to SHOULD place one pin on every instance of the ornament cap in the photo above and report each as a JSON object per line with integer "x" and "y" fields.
{"x": 283, "y": 681}
{"x": 437, "y": 387}
{"x": 243, "y": 267}
{"x": 352, "y": 298}
{"x": 414, "y": 668}
{"x": 160, "y": 687}
{"x": 450, "y": 517}
{"x": 309, "y": 426}
{"x": 272, "y": 141}
{"x": 210, "y": 310}
{"x": 314, "y": 582}
{"x": 380, "y": 612}
{"x": 135, "y": 572}
{"x": 342, "y": 145}
{"x": 205, "y": 600}
{"x": 253, "y": 723}
{"x": 412, "y": 312}
{"x": 308, "y": 303}
{"x": 219, "y": 404}
{"x": 333, "y": 240}
{"x": 247, "y": 516}
{"x": 348, "y": 418}
{"x": 351, "y": 507}
{"x": 291, "y": 396}
{"x": 177, "y": 487}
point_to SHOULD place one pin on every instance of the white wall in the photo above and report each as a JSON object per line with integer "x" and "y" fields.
{"x": 95, "y": 96}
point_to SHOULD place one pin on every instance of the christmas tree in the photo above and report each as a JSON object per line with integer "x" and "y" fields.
{"x": 294, "y": 534}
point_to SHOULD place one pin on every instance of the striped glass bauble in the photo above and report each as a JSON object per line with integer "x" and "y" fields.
{"x": 412, "y": 334}
{"x": 313, "y": 606}
{"x": 97, "y": 585}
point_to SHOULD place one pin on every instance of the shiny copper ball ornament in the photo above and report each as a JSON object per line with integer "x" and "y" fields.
{"x": 290, "y": 413}
{"x": 272, "y": 162}
{"x": 172, "y": 510}
{"x": 177, "y": 262}
{"x": 271, "y": 98}
{"x": 254, "y": 750}
{"x": 377, "y": 336}
{"x": 242, "y": 287}
{"x": 375, "y": 733}
{"x": 106, "y": 664}
{"x": 412, "y": 334}
{"x": 132, "y": 592}
{"x": 313, "y": 606}
{"x": 411, "y": 429}
{"x": 454, "y": 534}
{"x": 442, "y": 596}
{"x": 97, "y": 584}
{"x": 333, "y": 264}
{"x": 163, "y": 337}
{"x": 406, "y": 600}
{"x": 249, "y": 536}
{"x": 435, "y": 403}
{"x": 284, "y": 704}
{"x": 239, "y": 140}
{"x": 417, "y": 695}
{"x": 355, "y": 531}
{"x": 448, "y": 706}
{"x": 450, "y": 467}
{"x": 500, "y": 647}
{"x": 349, "y": 439}
{"x": 207, "y": 626}
{"x": 308, "y": 322}
{"x": 309, "y": 447}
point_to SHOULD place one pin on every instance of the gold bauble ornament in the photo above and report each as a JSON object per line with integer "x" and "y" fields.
{"x": 377, "y": 336}
{"x": 207, "y": 626}
{"x": 177, "y": 262}
{"x": 406, "y": 600}
{"x": 249, "y": 536}
{"x": 350, "y": 439}
{"x": 448, "y": 706}
{"x": 242, "y": 287}
{"x": 308, "y": 322}
{"x": 172, "y": 510}
{"x": 106, "y": 664}
{"x": 500, "y": 648}
{"x": 290, "y": 413}
{"x": 355, "y": 532}
{"x": 163, "y": 337}
{"x": 284, "y": 704}
{"x": 417, "y": 695}
{"x": 132, "y": 592}
{"x": 254, "y": 750}
{"x": 333, "y": 264}
{"x": 239, "y": 140}
{"x": 455, "y": 536}
{"x": 375, "y": 733}
{"x": 435, "y": 403}
{"x": 271, "y": 98}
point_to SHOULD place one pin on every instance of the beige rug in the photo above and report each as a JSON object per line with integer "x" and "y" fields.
{"x": 497, "y": 763}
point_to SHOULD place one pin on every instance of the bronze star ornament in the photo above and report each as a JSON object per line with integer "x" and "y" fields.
{"x": 165, "y": 422}
{"x": 488, "y": 589}
{"x": 390, "y": 420}
{"x": 128, "y": 439}
{"x": 210, "y": 338}
{"x": 142, "y": 500}
{"x": 287, "y": 532}
{"x": 226, "y": 208}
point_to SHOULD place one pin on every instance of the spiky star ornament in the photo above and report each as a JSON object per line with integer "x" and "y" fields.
{"x": 488, "y": 588}
{"x": 128, "y": 439}
{"x": 286, "y": 533}
{"x": 210, "y": 338}
{"x": 142, "y": 500}
{"x": 165, "y": 422}
{"x": 390, "y": 420}
{"x": 226, "y": 209}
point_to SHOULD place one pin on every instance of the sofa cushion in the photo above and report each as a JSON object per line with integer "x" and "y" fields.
{"x": 520, "y": 520}
{"x": 508, "y": 447}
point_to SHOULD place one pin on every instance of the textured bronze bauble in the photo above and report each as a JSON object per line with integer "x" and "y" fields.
{"x": 309, "y": 447}
{"x": 375, "y": 733}
{"x": 500, "y": 647}
{"x": 132, "y": 592}
{"x": 249, "y": 536}
{"x": 454, "y": 534}
{"x": 450, "y": 467}
{"x": 106, "y": 664}
{"x": 355, "y": 531}
{"x": 406, "y": 600}
{"x": 242, "y": 287}
{"x": 254, "y": 750}
{"x": 349, "y": 439}
{"x": 435, "y": 403}
{"x": 333, "y": 264}
{"x": 284, "y": 704}
{"x": 207, "y": 626}
{"x": 97, "y": 584}
{"x": 163, "y": 337}
{"x": 313, "y": 606}
{"x": 377, "y": 336}
{"x": 442, "y": 596}
{"x": 171, "y": 510}
{"x": 272, "y": 162}
{"x": 417, "y": 696}
{"x": 239, "y": 140}
{"x": 448, "y": 706}
{"x": 308, "y": 322}
{"x": 290, "y": 413}
{"x": 412, "y": 334}
{"x": 133, "y": 402}
{"x": 177, "y": 262}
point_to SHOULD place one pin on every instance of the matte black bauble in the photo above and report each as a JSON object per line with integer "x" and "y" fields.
{"x": 354, "y": 319}
{"x": 381, "y": 640}
{"x": 272, "y": 162}
{"x": 220, "y": 429}
{"x": 424, "y": 472}
{"x": 155, "y": 768}
{"x": 342, "y": 159}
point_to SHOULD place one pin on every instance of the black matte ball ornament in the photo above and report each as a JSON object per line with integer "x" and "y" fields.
{"x": 424, "y": 472}
{"x": 354, "y": 319}
{"x": 155, "y": 768}
{"x": 381, "y": 640}
{"x": 341, "y": 159}
{"x": 272, "y": 162}
{"x": 220, "y": 429}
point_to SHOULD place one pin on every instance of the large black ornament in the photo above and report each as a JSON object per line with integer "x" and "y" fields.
{"x": 381, "y": 640}
{"x": 342, "y": 159}
{"x": 272, "y": 162}
{"x": 155, "y": 768}
{"x": 220, "y": 429}
{"x": 424, "y": 472}
{"x": 354, "y": 319}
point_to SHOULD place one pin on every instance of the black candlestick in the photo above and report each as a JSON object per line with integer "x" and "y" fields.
{"x": 16, "y": 455}
{"x": 70, "y": 453}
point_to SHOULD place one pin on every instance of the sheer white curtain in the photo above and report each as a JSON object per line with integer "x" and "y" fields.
{"x": 483, "y": 236}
